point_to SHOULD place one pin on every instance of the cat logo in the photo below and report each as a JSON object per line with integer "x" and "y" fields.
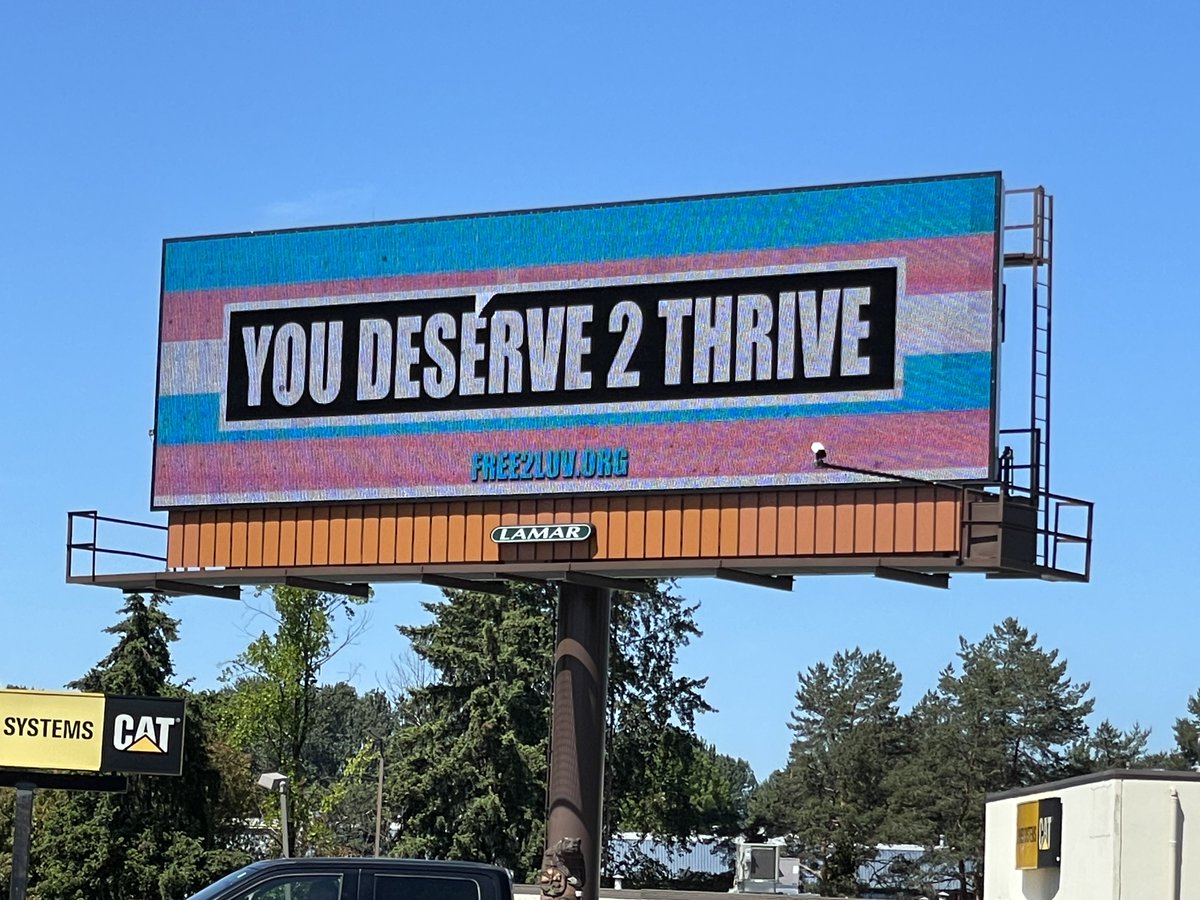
{"x": 1045, "y": 829}
{"x": 147, "y": 734}
{"x": 143, "y": 734}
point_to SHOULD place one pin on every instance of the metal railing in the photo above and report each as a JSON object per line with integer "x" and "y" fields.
{"x": 94, "y": 548}
{"x": 1049, "y": 558}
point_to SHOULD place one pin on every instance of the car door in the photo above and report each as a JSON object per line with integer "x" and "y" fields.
{"x": 314, "y": 885}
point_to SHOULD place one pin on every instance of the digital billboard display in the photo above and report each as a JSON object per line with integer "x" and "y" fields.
{"x": 664, "y": 345}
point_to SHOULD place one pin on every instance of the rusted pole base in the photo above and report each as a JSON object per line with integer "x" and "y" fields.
{"x": 571, "y": 865}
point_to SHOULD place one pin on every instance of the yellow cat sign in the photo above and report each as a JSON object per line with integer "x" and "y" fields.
{"x": 91, "y": 732}
{"x": 1039, "y": 833}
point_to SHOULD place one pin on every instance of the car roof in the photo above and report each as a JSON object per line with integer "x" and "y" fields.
{"x": 372, "y": 862}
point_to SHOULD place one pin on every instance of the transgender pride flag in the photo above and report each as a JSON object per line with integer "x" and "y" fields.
{"x": 238, "y": 344}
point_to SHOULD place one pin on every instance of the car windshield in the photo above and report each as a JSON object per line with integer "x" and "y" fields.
{"x": 228, "y": 881}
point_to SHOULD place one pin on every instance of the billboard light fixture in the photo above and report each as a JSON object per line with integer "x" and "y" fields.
{"x": 627, "y": 585}
{"x": 908, "y": 576}
{"x": 775, "y": 582}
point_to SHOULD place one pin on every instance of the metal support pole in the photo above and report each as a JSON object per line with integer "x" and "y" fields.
{"x": 22, "y": 833}
{"x": 571, "y": 865}
{"x": 379, "y": 801}
{"x": 283, "y": 817}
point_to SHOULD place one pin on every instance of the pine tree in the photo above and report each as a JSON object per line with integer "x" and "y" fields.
{"x": 166, "y": 835}
{"x": 1007, "y": 719}
{"x": 1108, "y": 747}
{"x": 831, "y": 798}
{"x": 1187, "y": 733}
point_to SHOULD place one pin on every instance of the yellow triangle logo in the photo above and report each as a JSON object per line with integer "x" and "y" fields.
{"x": 143, "y": 745}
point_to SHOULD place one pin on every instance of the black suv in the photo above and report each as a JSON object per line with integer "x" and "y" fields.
{"x": 350, "y": 878}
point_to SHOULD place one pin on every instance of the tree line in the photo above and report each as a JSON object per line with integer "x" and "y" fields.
{"x": 461, "y": 737}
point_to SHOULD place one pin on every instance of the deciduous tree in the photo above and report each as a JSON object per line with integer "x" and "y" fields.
{"x": 273, "y": 708}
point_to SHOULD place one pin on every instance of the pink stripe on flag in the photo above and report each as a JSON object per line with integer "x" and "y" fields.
{"x": 935, "y": 266}
{"x": 387, "y": 466}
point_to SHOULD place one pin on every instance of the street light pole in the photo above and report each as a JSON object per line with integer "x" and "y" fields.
{"x": 379, "y": 801}
{"x": 277, "y": 781}
{"x": 283, "y": 817}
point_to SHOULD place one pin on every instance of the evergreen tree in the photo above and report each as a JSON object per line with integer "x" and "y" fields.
{"x": 737, "y": 777}
{"x": 831, "y": 798}
{"x": 1187, "y": 733}
{"x": 344, "y": 721}
{"x": 1108, "y": 747}
{"x": 8, "y": 821}
{"x": 140, "y": 663}
{"x": 654, "y": 764}
{"x": 165, "y": 835}
{"x": 1006, "y": 720}
{"x": 468, "y": 764}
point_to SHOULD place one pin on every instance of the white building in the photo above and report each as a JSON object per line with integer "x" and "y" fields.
{"x": 1119, "y": 835}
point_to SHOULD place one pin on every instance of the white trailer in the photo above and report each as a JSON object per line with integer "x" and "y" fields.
{"x": 1123, "y": 834}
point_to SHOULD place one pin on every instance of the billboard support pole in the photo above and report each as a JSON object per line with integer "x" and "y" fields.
{"x": 22, "y": 834}
{"x": 571, "y": 864}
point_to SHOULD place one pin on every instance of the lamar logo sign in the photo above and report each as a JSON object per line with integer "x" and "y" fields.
{"x": 143, "y": 734}
{"x": 527, "y": 534}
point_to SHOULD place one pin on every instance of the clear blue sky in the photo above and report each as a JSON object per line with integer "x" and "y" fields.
{"x": 124, "y": 124}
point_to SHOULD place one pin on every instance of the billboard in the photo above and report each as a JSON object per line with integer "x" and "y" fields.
{"x": 694, "y": 343}
{"x": 91, "y": 732}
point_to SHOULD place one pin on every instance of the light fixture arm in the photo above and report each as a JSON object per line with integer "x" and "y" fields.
{"x": 821, "y": 458}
